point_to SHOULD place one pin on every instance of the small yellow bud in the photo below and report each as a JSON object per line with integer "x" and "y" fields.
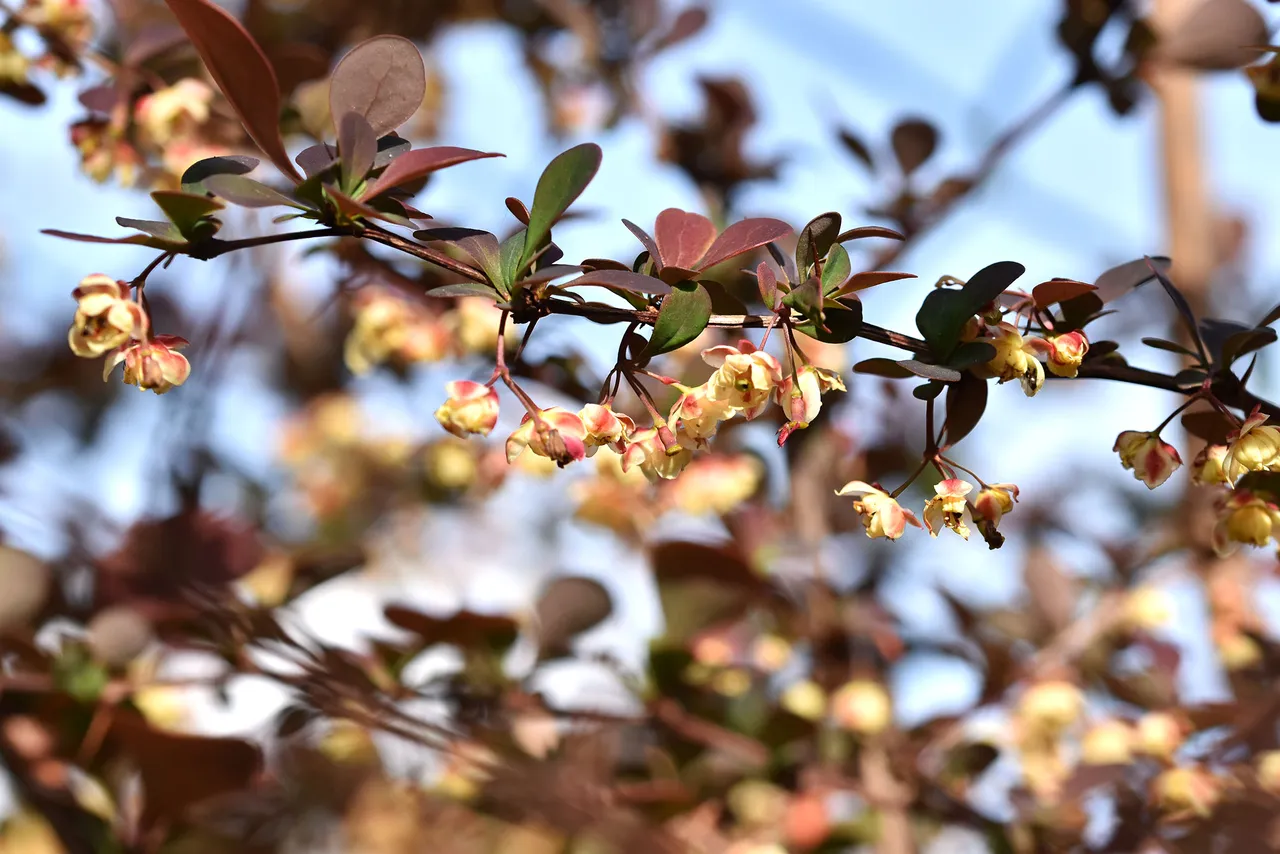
{"x": 805, "y": 699}
{"x": 1108, "y": 743}
{"x": 862, "y": 706}
{"x": 1188, "y": 789}
{"x": 1159, "y": 735}
{"x": 1048, "y": 708}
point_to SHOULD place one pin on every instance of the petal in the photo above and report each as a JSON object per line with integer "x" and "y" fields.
{"x": 858, "y": 487}
{"x": 715, "y": 356}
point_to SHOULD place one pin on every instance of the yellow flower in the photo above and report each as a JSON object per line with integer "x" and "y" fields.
{"x": 1159, "y": 735}
{"x": 745, "y": 377}
{"x": 1268, "y": 769}
{"x": 715, "y": 484}
{"x": 471, "y": 408}
{"x": 1151, "y": 459}
{"x": 556, "y": 434}
{"x": 948, "y": 508}
{"x": 153, "y": 365}
{"x": 659, "y": 457}
{"x": 605, "y": 427}
{"x": 881, "y": 514}
{"x": 105, "y": 317}
{"x": 388, "y": 326}
{"x": 1209, "y": 468}
{"x": 995, "y": 501}
{"x": 1066, "y": 353}
{"x": 862, "y": 706}
{"x": 1193, "y": 790}
{"x": 801, "y": 397}
{"x": 177, "y": 110}
{"x": 13, "y": 65}
{"x": 1107, "y": 743}
{"x": 1255, "y": 447}
{"x": 1017, "y": 358}
{"x": 1244, "y": 517}
{"x": 1048, "y": 708}
{"x": 698, "y": 415}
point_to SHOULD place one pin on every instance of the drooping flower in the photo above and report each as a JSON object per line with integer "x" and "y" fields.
{"x": 1209, "y": 468}
{"x": 557, "y": 434}
{"x": 1017, "y": 358}
{"x": 605, "y": 427}
{"x": 105, "y": 317}
{"x": 658, "y": 459}
{"x": 801, "y": 397}
{"x": 1254, "y": 447}
{"x": 949, "y": 508}
{"x": 152, "y": 365}
{"x": 698, "y": 415}
{"x": 1066, "y": 352}
{"x": 470, "y": 408}
{"x": 745, "y": 376}
{"x": 993, "y": 502}
{"x": 1151, "y": 459}
{"x": 881, "y": 514}
{"x": 1245, "y": 517}
{"x": 173, "y": 111}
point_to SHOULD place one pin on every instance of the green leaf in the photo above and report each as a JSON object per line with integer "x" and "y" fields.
{"x": 512, "y": 252}
{"x": 156, "y": 228}
{"x": 248, "y": 193}
{"x": 1243, "y": 343}
{"x": 843, "y": 320}
{"x": 1168, "y": 346}
{"x": 806, "y": 300}
{"x": 991, "y": 281}
{"x": 966, "y": 401}
{"x": 463, "y": 289}
{"x": 942, "y": 316}
{"x": 816, "y": 240}
{"x": 881, "y": 367}
{"x": 681, "y": 318}
{"x": 836, "y": 270}
{"x": 928, "y": 391}
{"x": 229, "y": 164}
{"x": 562, "y": 181}
{"x": 186, "y": 210}
{"x": 971, "y": 353}
{"x": 940, "y": 373}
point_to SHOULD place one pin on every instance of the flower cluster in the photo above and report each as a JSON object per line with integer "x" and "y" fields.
{"x": 1018, "y": 357}
{"x": 950, "y": 507}
{"x": 108, "y": 322}
{"x": 389, "y": 327}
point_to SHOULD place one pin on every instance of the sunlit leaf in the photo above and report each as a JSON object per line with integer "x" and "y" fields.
{"x": 561, "y": 183}
{"x": 382, "y": 79}
{"x": 681, "y": 318}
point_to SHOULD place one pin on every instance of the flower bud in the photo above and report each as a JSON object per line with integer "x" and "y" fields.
{"x": 1066, "y": 353}
{"x": 1244, "y": 517}
{"x": 1048, "y": 708}
{"x": 1159, "y": 735}
{"x": 862, "y": 706}
{"x": 1151, "y": 459}
{"x": 995, "y": 501}
{"x": 1107, "y": 743}
{"x": 471, "y": 408}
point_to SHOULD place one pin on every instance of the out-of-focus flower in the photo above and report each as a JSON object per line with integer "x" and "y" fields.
{"x": 177, "y": 110}
{"x": 450, "y": 464}
{"x": 614, "y": 499}
{"x": 881, "y": 514}
{"x": 770, "y": 653}
{"x": 1254, "y": 447}
{"x": 70, "y": 20}
{"x": 658, "y": 459}
{"x": 153, "y": 365}
{"x": 1108, "y": 742}
{"x": 389, "y": 326}
{"x": 1048, "y": 708}
{"x": 745, "y": 377}
{"x": 862, "y": 706}
{"x": 994, "y": 501}
{"x": 13, "y": 65}
{"x": 715, "y": 484}
{"x": 1066, "y": 352}
{"x": 805, "y": 699}
{"x": 476, "y": 321}
{"x": 1017, "y": 358}
{"x": 1147, "y": 608}
{"x": 1267, "y": 764}
{"x": 105, "y": 316}
{"x": 1244, "y": 517}
{"x": 1151, "y": 460}
{"x": 557, "y": 434}
{"x": 1237, "y": 650}
{"x": 1159, "y": 735}
{"x": 472, "y": 407}
{"x": 104, "y": 154}
{"x": 949, "y": 508}
{"x": 801, "y": 397}
{"x": 1209, "y": 468}
{"x": 698, "y": 415}
{"x": 605, "y": 427}
{"x": 180, "y": 154}
{"x": 1194, "y": 790}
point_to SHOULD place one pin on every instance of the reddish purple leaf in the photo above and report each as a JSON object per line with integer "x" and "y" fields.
{"x": 644, "y": 238}
{"x": 382, "y": 79}
{"x": 683, "y": 237}
{"x": 139, "y": 239}
{"x": 743, "y": 237}
{"x": 869, "y": 231}
{"x": 768, "y": 284}
{"x": 518, "y": 210}
{"x": 862, "y": 281}
{"x": 1059, "y": 290}
{"x": 608, "y": 264}
{"x": 420, "y": 162}
{"x": 624, "y": 279}
{"x": 241, "y": 71}
{"x": 687, "y": 24}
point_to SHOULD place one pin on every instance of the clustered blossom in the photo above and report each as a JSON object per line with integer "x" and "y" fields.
{"x": 108, "y": 322}
{"x": 1017, "y": 358}
{"x": 174, "y": 111}
{"x": 949, "y": 507}
{"x": 390, "y": 327}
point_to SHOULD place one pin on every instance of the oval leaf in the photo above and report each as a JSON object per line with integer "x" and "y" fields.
{"x": 624, "y": 279}
{"x": 682, "y": 237}
{"x": 561, "y": 183}
{"x": 880, "y": 367}
{"x": 415, "y": 164}
{"x": 913, "y": 141}
{"x": 382, "y": 79}
{"x": 227, "y": 164}
{"x": 862, "y": 281}
{"x": 742, "y": 237}
{"x": 966, "y": 401}
{"x": 1121, "y": 279}
{"x": 685, "y": 312}
{"x": 1059, "y": 290}
{"x": 241, "y": 71}
{"x": 567, "y": 608}
{"x": 939, "y": 373}
{"x": 357, "y": 146}
{"x": 816, "y": 240}
{"x": 248, "y": 193}
{"x": 870, "y": 231}
{"x": 835, "y": 272}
